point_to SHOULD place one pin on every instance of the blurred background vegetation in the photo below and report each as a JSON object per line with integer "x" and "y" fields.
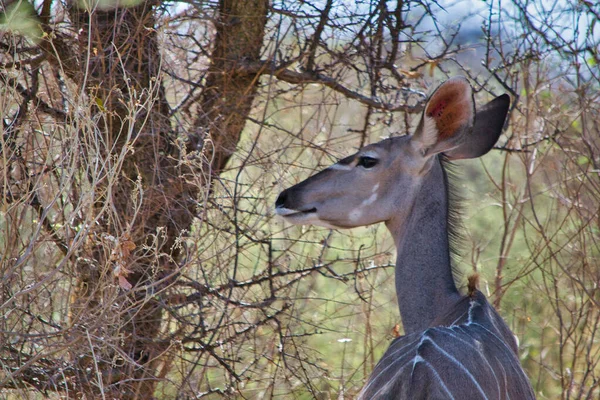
{"x": 143, "y": 146}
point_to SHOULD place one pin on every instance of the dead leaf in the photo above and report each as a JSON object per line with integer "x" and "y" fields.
{"x": 124, "y": 283}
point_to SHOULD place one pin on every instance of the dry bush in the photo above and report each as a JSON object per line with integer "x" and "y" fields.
{"x": 143, "y": 147}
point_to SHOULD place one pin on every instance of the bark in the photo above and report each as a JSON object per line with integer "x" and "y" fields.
{"x": 124, "y": 59}
{"x": 230, "y": 90}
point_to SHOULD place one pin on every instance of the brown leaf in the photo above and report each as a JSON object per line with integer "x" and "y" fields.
{"x": 124, "y": 283}
{"x": 127, "y": 247}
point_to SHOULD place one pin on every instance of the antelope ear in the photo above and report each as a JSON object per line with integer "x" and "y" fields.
{"x": 447, "y": 118}
{"x": 488, "y": 127}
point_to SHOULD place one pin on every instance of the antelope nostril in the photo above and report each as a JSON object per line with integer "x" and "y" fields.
{"x": 281, "y": 199}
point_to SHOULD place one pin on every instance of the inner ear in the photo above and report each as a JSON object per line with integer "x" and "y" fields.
{"x": 449, "y": 113}
{"x": 451, "y": 107}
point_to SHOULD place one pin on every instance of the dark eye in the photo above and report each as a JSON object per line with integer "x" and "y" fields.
{"x": 367, "y": 162}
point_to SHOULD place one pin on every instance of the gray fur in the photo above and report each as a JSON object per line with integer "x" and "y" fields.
{"x": 455, "y": 347}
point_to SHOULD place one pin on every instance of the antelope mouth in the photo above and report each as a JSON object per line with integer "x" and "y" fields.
{"x": 290, "y": 213}
{"x": 309, "y": 216}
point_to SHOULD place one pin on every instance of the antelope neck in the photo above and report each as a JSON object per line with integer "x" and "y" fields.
{"x": 424, "y": 283}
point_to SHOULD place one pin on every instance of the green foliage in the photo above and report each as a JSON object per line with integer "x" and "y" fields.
{"x": 107, "y": 4}
{"x": 20, "y": 18}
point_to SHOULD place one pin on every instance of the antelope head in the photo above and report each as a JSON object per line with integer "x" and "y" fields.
{"x": 379, "y": 183}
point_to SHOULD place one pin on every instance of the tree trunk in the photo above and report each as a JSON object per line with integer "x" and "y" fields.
{"x": 145, "y": 207}
{"x": 229, "y": 91}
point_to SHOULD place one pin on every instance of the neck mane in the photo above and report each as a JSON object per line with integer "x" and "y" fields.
{"x": 424, "y": 278}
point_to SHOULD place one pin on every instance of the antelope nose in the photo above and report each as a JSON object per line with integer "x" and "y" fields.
{"x": 280, "y": 202}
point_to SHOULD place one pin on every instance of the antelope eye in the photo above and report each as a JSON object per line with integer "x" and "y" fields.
{"x": 367, "y": 162}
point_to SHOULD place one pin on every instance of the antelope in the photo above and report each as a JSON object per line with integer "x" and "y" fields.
{"x": 455, "y": 346}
